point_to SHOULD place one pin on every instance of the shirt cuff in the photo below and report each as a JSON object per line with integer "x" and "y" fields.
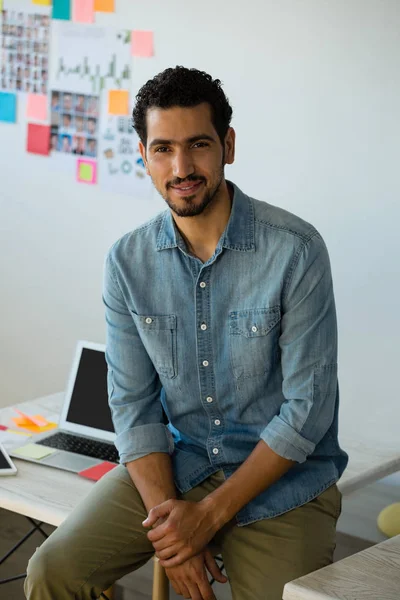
{"x": 142, "y": 440}
{"x": 286, "y": 441}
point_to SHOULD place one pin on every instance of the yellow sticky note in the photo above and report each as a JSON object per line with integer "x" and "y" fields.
{"x": 34, "y": 451}
{"x": 104, "y": 5}
{"x": 42, "y": 2}
{"x": 118, "y": 102}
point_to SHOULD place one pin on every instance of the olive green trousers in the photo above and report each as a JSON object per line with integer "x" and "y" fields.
{"x": 103, "y": 539}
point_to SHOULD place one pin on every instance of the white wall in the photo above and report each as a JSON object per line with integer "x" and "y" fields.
{"x": 316, "y": 94}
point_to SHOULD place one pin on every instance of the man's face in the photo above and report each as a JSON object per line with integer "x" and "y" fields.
{"x": 185, "y": 158}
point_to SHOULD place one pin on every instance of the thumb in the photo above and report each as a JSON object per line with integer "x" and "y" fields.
{"x": 214, "y": 568}
{"x": 160, "y": 511}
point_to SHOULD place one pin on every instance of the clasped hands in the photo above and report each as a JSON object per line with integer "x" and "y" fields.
{"x": 181, "y": 529}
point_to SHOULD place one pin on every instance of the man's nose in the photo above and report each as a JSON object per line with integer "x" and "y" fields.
{"x": 182, "y": 165}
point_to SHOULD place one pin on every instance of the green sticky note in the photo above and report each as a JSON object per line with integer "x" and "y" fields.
{"x": 34, "y": 451}
{"x": 85, "y": 172}
{"x": 62, "y": 10}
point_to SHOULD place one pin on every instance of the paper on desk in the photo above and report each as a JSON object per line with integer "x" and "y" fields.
{"x": 12, "y": 439}
{"x": 34, "y": 451}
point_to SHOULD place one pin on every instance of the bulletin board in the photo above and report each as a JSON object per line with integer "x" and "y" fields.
{"x": 74, "y": 78}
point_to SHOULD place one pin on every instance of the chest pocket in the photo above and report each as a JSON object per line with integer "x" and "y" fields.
{"x": 254, "y": 335}
{"x": 158, "y": 334}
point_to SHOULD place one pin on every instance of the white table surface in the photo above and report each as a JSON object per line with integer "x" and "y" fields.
{"x": 49, "y": 494}
{"x": 373, "y": 574}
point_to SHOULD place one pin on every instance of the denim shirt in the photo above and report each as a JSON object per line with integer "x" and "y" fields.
{"x": 207, "y": 359}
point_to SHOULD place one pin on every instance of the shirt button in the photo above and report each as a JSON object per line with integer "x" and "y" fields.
{"x": 215, "y": 450}
{"x": 209, "y": 399}
{"x": 149, "y": 320}
{"x": 254, "y": 328}
{"x": 202, "y": 284}
{"x": 203, "y": 326}
{"x": 217, "y": 422}
{"x": 205, "y": 363}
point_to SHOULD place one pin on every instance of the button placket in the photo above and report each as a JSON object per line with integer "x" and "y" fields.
{"x": 206, "y": 371}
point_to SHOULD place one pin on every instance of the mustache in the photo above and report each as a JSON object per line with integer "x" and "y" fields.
{"x": 189, "y": 178}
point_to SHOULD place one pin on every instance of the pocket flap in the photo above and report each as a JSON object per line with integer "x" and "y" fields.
{"x": 154, "y": 323}
{"x": 254, "y": 322}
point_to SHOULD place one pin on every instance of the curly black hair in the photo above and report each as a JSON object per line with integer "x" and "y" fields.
{"x": 184, "y": 87}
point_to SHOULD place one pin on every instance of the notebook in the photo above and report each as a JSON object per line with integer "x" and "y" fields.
{"x": 85, "y": 436}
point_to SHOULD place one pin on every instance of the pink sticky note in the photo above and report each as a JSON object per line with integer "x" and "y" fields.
{"x": 142, "y": 43}
{"x": 3, "y": 428}
{"x": 97, "y": 471}
{"x": 86, "y": 171}
{"x": 38, "y": 140}
{"x": 36, "y": 108}
{"x": 83, "y": 11}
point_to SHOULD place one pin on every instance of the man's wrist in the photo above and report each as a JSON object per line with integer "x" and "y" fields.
{"x": 215, "y": 511}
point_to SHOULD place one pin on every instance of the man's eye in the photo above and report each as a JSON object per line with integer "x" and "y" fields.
{"x": 201, "y": 144}
{"x": 161, "y": 149}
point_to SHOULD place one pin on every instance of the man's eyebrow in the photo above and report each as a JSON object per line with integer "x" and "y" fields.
{"x": 191, "y": 140}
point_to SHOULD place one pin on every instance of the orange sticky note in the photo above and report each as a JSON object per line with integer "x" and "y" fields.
{"x": 104, "y": 5}
{"x": 38, "y": 141}
{"x": 118, "y": 102}
{"x": 142, "y": 43}
{"x": 83, "y": 11}
{"x": 35, "y": 420}
{"x": 36, "y": 107}
{"x": 21, "y": 422}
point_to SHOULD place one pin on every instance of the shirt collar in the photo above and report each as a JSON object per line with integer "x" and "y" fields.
{"x": 238, "y": 234}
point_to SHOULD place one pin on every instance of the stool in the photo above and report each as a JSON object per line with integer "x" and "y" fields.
{"x": 160, "y": 582}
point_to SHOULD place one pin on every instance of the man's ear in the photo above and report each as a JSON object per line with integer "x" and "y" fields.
{"x": 230, "y": 140}
{"x": 142, "y": 151}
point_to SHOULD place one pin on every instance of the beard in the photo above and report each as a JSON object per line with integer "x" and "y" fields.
{"x": 191, "y": 208}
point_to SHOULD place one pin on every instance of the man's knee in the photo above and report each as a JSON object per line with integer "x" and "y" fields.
{"x": 47, "y": 572}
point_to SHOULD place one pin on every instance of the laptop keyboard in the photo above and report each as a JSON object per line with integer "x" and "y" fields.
{"x": 81, "y": 445}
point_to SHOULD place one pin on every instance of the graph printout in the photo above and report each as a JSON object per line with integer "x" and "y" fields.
{"x": 89, "y": 59}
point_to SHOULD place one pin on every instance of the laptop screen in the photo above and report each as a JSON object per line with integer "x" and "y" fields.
{"x": 89, "y": 400}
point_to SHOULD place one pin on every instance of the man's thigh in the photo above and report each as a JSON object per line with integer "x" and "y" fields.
{"x": 101, "y": 540}
{"x": 261, "y": 557}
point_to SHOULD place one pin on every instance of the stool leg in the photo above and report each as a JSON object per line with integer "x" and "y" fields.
{"x": 110, "y": 593}
{"x": 160, "y": 582}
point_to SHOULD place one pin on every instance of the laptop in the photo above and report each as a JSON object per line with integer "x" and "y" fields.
{"x": 85, "y": 436}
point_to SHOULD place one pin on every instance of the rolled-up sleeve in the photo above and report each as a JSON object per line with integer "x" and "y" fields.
{"x": 308, "y": 344}
{"x": 132, "y": 381}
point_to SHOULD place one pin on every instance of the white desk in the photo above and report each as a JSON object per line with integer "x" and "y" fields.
{"x": 373, "y": 574}
{"x": 49, "y": 494}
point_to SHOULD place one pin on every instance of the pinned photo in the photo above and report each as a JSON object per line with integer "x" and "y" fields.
{"x": 74, "y": 120}
{"x": 25, "y": 37}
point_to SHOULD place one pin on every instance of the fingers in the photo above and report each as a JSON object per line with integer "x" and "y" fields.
{"x": 162, "y": 510}
{"x": 213, "y": 567}
{"x": 156, "y": 534}
{"x": 179, "y": 558}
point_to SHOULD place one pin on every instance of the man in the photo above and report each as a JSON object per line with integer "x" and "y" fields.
{"x": 221, "y": 321}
